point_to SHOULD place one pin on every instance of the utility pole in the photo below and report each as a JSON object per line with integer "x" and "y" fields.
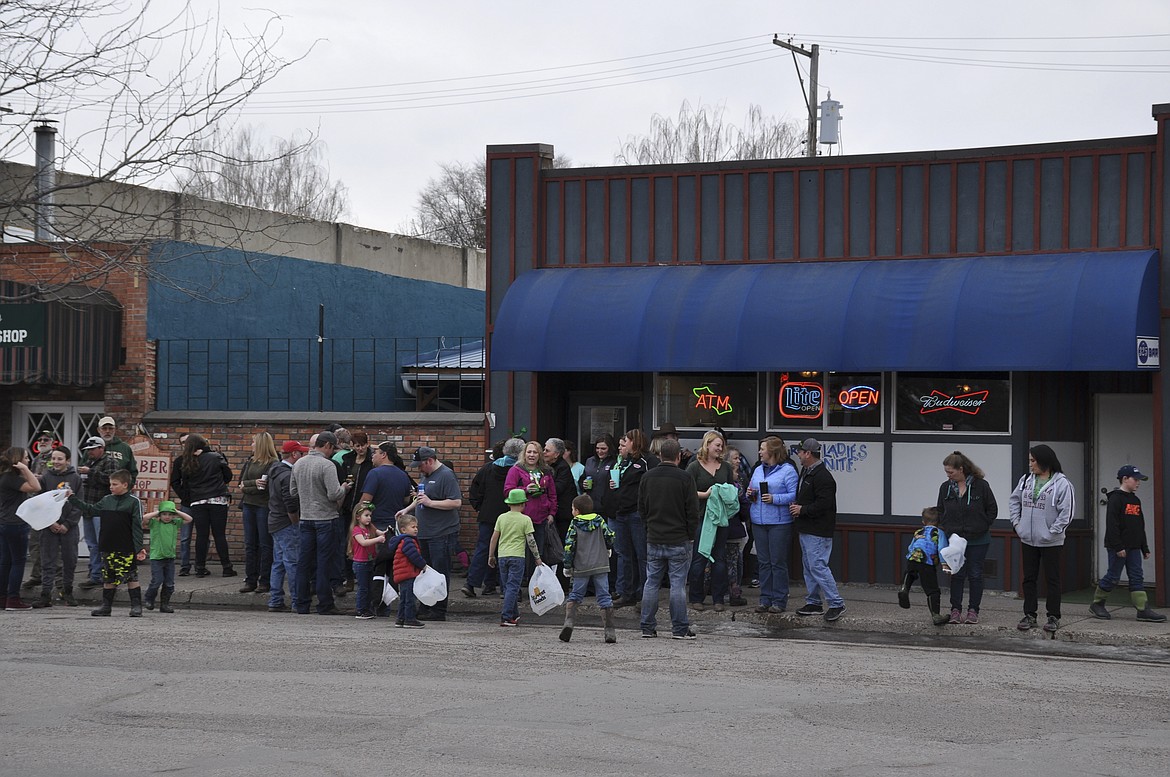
{"x": 810, "y": 100}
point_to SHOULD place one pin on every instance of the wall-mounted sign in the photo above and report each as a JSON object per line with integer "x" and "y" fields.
{"x": 857, "y": 397}
{"x": 953, "y": 402}
{"x": 709, "y": 400}
{"x": 1149, "y": 355}
{"x": 22, "y": 326}
{"x": 801, "y": 399}
{"x": 970, "y": 403}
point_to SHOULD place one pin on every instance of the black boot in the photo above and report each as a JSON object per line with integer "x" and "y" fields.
{"x": 135, "y": 602}
{"x": 904, "y": 591}
{"x": 607, "y": 620}
{"x": 148, "y": 598}
{"x": 567, "y": 631}
{"x": 107, "y": 602}
{"x": 936, "y": 617}
{"x": 164, "y": 604}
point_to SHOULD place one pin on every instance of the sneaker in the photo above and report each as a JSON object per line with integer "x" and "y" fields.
{"x": 434, "y": 616}
{"x": 719, "y": 607}
{"x": 488, "y": 590}
{"x": 1026, "y": 623}
{"x": 414, "y": 625}
{"x": 31, "y": 583}
{"x": 202, "y": 573}
{"x": 182, "y": 573}
{"x": 278, "y": 609}
{"x": 510, "y": 622}
{"x": 737, "y": 601}
{"x": 46, "y": 600}
{"x": 649, "y": 633}
{"x": 810, "y": 609}
{"x": 1052, "y": 624}
{"x": 1150, "y": 616}
{"x": 956, "y": 617}
{"x": 467, "y": 591}
{"x": 338, "y": 591}
{"x": 229, "y": 572}
{"x": 972, "y": 617}
{"x": 364, "y": 615}
{"x": 263, "y": 589}
{"x": 688, "y": 634}
{"x": 248, "y": 588}
{"x": 775, "y": 609}
{"x": 755, "y": 583}
{"x": 90, "y": 585}
{"x": 698, "y": 606}
{"x": 762, "y": 608}
{"x": 16, "y": 604}
{"x": 67, "y": 597}
{"x": 834, "y": 613}
{"x": 398, "y": 624}
{"x": 330, "y": 611}
{"x": 1099, "y": 610}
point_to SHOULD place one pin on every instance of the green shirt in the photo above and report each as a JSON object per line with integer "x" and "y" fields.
{"x": 512, "y": 526}
{"x": 163, "y": 537}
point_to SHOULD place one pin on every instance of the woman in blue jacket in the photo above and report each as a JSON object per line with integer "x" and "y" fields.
{"x": 771, "y": 489}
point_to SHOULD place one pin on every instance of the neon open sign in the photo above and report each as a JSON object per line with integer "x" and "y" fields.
{"x": 799, "y": 399}
{"x": 706, "y": 399}
{"x": 858, "y": 397}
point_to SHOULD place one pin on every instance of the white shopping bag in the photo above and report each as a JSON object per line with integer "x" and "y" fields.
{"x": 42, "y": 510}
{"x": 955, "y": 553}
{"x": 430, "y": 586}
{"x": 544, "y": 590}
{"x": 388, "y": 592}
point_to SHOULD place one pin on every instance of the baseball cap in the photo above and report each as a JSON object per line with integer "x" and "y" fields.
{"x": 106, "y": 420}
{"x": 167, "y": 506}
{"x": 1130, "y": 471}
{"x": 292, "y": 445}
{"x": 811, "y": 445}
{"x": 46, "y": 433}
{"x": 426, "y": 452}
{"x": 93, "y": 442}
{"x": 516, "y": 497}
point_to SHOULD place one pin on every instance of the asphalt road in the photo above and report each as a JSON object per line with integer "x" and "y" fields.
{"x": 232, "y": 693}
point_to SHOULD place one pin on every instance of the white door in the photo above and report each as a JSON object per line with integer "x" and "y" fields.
{"x": 1124, "y": 428}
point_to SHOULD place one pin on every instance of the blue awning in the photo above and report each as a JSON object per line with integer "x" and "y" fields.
{"x": 1045, "y": 312}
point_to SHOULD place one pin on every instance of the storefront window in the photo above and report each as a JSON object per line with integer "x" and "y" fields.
{"x": 855, "y": 400}
{"x": 704, "y": 400}
{"x": 954, "y": 402}
{"x": 816, "y": 400}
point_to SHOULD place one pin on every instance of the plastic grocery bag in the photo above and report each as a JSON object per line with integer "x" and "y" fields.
{"x": 544, "y": 590}
{"x": 955, "y": 553}
{"x": 430, "y": 587}
{"x": 43, "y": 510}
{"x": 388, "y": 592}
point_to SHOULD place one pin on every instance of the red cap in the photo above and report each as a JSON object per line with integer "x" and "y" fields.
{"x": 292, "y": 445}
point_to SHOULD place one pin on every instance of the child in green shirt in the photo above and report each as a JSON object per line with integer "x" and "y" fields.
{"x": 513, "y": 531}
{"x": 164, "y": 525}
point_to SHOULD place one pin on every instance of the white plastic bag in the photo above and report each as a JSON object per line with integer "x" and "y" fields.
{"x": 544, "y": 590}
{"x": 430, "y": 587}
{"x": 42, "y": 510}
{"x": 955, "y": 553}
{"x": 388, "y": 592}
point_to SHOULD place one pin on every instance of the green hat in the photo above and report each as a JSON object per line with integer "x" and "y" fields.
{"x": 516, "y": 497}
{"x": 167, "y": 506}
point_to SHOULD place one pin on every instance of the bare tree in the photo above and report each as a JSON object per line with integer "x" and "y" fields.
{"x": 702, "y": 134}
{"x": 452, "y": 208}
{"x": 138, "y": 86}
{"x": 282, "y": 175}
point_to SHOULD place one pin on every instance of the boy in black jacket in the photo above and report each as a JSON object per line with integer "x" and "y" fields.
{"x": 1125, "y": 539}
{"x": 119, "y": 541}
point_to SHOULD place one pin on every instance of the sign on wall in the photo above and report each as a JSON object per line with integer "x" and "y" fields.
{"x": 1149, "y": 355}
{"x": 22, "y": 325}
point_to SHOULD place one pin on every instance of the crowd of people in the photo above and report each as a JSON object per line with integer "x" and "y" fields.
{"x": 341, "y": 515}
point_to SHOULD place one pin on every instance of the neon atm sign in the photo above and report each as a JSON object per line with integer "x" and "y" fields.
{"x": 706, "y": 399}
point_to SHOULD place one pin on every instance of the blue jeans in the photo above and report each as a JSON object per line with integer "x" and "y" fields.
{"x": 972, "y": 571}
{"x": 363, "y": 572}
{"x": 13, "y": 554}
{"x": 1132, "y": 564}
{"x": 257, "y": 545}
{"x": 699, "y": 564}
{"x": 286, "y": 544}
{"x": 318, "y": 542}
{"x": 407, "y": 604}
{"x": 818, "y": 578}
{"x": 185, "y": 532}
{"x": 630, "y": 544}
{"x": 339, "y": 571}
{"x": 90, "y": 527}
{"x": 511, "y": 574}
{"x": 600, "y": 588}
{"x": 773, "y": 544}
{"x": 675, "y": 559}
{"x": 162, "y": 573}
{"x": 480, "y": 573}
{"x": 437, "y": 552}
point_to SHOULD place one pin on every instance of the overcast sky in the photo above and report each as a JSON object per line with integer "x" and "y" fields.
{"x": 395, "y": 88}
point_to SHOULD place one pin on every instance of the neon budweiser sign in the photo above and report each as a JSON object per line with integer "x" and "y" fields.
{"x": 937, "y": 401}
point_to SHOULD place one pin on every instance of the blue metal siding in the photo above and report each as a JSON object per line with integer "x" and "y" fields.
{"x": 834, "y": 214}
{"x": 595, "y": 222}
{"x": 733, "y": 218}
{"x": 552, "y": 223}
{"x": 810, "y": 212}
{"x": 710, "y": 219}
{"x": 995, "y": 207}
{"x": 618, "y": 211}
{"x": 640, "y": 220}
{"x": 939, "y": 229}
{"x": 1135, "y": 201}
{"x": 1023, "y": 209}
{"x": 1109, "y": 201}
{"x": 573, "y": 226}
{"x": 1080, "y": 202}
{"x": 859, "y": 212}
{"x": 525, "y": 222}
{"x": 758, "y": 216}
{"x": 967, "y": 209}
{"x": 912, "y": 216}
{"x": 785, "y": 222}
{"x": 886, "y": 212}
{"x": 499, "y": 228}
{"x": 687, "y": 223}
{"x": 663, "y": 219}
{"x": 1051, "y": 203}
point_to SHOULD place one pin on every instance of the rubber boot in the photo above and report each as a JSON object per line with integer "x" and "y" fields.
{"x": 107, "y": 602}
{"x": 148, "y": 598}
{"x": 1141, "y": 602}
{"x": 164, "y": 604}
{"x": 607, "y": 620}
{"x": 1098, "y": 609}
{"x": 904, "y": 591}
{"x": 70, "y": 601}
{"x": 135, "y": 602}
{"x": 936, "y": 617}
{"x": 570, "y": 612}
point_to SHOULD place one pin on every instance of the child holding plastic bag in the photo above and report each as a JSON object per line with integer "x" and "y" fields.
{"x": 512, "y": 533}
{"x": 922, "y": 564}
{"x": 406, "y": 563}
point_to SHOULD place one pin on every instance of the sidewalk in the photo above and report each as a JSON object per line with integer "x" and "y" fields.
{"x": 869, "y": 608}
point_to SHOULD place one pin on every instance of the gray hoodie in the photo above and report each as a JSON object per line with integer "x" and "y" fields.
{"x": 1041, "y": 520}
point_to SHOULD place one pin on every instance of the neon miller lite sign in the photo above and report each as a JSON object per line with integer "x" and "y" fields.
{"x": 800, "y": 399}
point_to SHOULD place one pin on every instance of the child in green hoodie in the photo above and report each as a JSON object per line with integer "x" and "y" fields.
{"x": 119, "y": 540}
{"x": 588, "y": 544}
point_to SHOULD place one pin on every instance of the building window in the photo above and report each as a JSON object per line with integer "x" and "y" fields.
{"x": 817, "y": 400}
{"x": 954, "y": 402}
{"x": 704, "y": 400}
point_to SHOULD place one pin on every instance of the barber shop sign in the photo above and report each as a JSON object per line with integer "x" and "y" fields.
{"x": 22, "y": 326}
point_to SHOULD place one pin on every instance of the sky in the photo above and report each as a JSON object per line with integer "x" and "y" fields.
{"x": 394, "y": 89}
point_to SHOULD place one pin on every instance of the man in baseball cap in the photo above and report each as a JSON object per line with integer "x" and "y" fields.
{"x": 116, "y": 447}
{"x": 292, "y": 446}
{"x": 437, "y": 509}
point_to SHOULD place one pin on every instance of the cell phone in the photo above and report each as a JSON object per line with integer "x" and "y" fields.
{"x": 763, "y": 488}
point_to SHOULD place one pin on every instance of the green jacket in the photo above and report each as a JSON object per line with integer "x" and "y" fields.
{"x": 721, "y": 505}
{"x": 121, "y": 453}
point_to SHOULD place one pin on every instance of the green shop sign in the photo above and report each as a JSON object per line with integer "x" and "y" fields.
{"x": 22, "y": 326}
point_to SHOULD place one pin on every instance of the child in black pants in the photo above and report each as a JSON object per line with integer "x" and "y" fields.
{"x": 923, "y": 563}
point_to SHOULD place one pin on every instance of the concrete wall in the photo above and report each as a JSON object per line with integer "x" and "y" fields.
{"x": 85, "y": 210}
